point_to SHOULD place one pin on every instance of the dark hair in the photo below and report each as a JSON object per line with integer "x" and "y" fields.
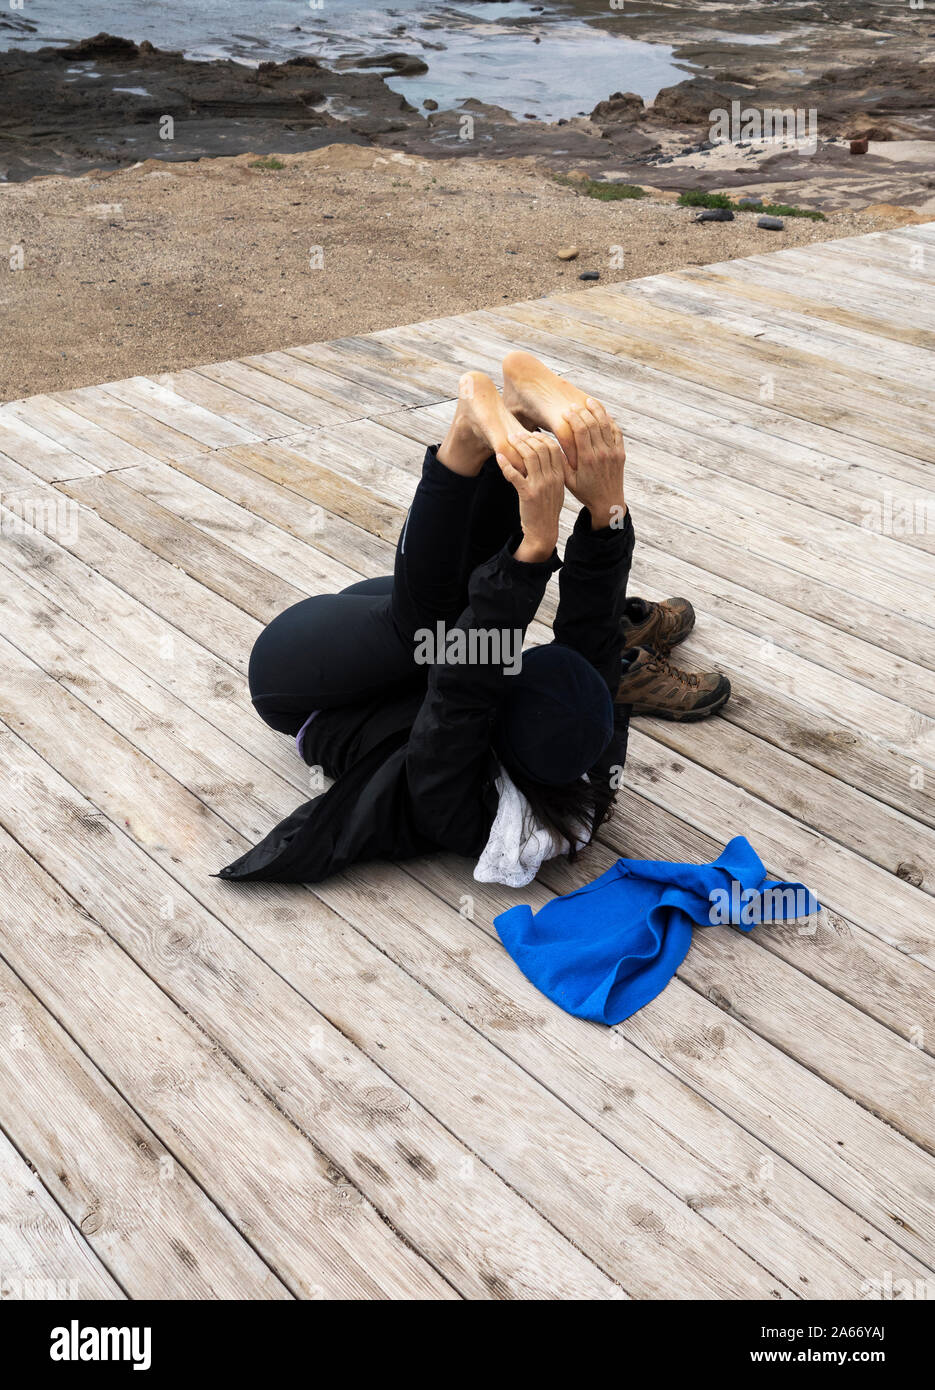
{"x": 566, "y": 808}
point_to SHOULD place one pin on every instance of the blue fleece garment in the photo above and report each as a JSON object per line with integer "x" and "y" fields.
{"x": 605, "y": 950}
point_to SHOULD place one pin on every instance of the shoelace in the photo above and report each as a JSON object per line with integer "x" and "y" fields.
{"x": 668, "y": 627}
{"x": 666, "y": 668}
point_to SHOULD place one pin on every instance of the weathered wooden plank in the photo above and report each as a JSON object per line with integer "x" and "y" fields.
{"x": 798, "y": 1115}
{"x": 152, "y": 437}
{"x": 754, "y": 424}
{"x": 352, "y": 398}
{"x": 273, "y": 1183}
{"x": 68, "y": 430}
{"x": 836, "y": 303}
{"x": 213, "y": 564}
{"x": 44, "y": 1254}
{"x": 28, "y": 447}
{"x": 407, "y": 378}
{"x": 759, "y": 1139}
{"x": 186, "y": 840}
{"x": 734, "y": 375}
{"x": 700, "y": 290}
{"x": 155, "y": 398}
{"x": 121, "y": 1200}
{"x": 286, "y": 496}
{"x": 470, "y": 1224}
{"x": 283, "y": 553}
{"x": 300, "y": 406}
{"x": 855, "y": 395}
{"x": 200, "y": 741}
{"x": 260, "y": 420}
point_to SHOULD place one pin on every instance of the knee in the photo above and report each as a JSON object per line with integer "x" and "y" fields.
{"x": 381, "y": 585}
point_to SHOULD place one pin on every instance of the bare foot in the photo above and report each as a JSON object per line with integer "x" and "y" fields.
{"x": 540, "y": 399}
{"x": 482, "y": 426}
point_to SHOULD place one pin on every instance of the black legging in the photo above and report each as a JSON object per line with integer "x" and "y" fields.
{"x": 337, "y": 649}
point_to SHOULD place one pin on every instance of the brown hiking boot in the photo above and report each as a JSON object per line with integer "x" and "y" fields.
{"x": 657, "y": 626}
{"x": 651, "y": 685}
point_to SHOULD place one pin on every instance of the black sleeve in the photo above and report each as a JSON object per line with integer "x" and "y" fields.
{"x": 449, "y": 747}
{"x": 592, "y": 590}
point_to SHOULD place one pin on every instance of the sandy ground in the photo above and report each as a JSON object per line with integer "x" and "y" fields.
{"x": 164, "y": 266}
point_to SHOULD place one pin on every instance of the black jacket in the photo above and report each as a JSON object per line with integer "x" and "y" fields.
{"x": 415, "y": 773}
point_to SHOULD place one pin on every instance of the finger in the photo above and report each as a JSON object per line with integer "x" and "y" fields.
{"x": 556, "y": 457}
{"x": 522, "y": 443}
{"x": 602, "y": 416}
{"x": 542, "y": 445}
{"x": 517, "y": 452}
{"x": 578, "y": 418}
{"x": 512, "y": 475}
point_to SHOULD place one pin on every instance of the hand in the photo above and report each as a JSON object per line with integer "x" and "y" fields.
{"x": 597, "y": 479}
{"x": 540, "y": 487}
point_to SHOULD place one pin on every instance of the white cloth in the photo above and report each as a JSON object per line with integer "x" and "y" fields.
{"x": 517, "y": 846}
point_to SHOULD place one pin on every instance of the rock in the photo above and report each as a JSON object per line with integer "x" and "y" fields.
{"x": 684, "y": 104}
{"x": 430, "y": 104}
{"x": 619, "y": 106}
{"x": 102, "y": 46}
{"x": 865, "y": 127}
{"x": 586, "y": 126}
{"x": 750, "y": 203}
{"x": 715, "y": 215}
{"x": 403, "y": 64}
{"x": 375, "y": 125}
{"x": 770, "y": 224}
{"x": 590, "y": 275}
{"x": 568, "y": 253}
{"x": 859, "y": 146}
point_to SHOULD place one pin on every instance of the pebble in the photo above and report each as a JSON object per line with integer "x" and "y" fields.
{"x": 750, "y": 203}
{"x": 567, "y": 253}
{"x": 770, "y": 224}
{"x": 715, "y": 215}
{"x": 590, "y": 275}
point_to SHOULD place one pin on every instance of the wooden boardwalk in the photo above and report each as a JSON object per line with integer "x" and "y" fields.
{"x": 270, "y": 1092}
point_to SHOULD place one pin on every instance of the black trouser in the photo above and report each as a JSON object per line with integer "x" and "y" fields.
{"x": 337, "y": 649}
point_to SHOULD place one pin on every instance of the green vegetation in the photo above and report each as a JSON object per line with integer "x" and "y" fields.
{"x": 695, "y": 198}
{"x": 268, "y": 161}
{"x": 606, "y": 192}
{"x": 784, "y": 210}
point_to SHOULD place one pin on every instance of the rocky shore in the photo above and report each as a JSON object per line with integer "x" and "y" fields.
{"x": 160, "y": 212}
{"x": 106, "y": 103}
